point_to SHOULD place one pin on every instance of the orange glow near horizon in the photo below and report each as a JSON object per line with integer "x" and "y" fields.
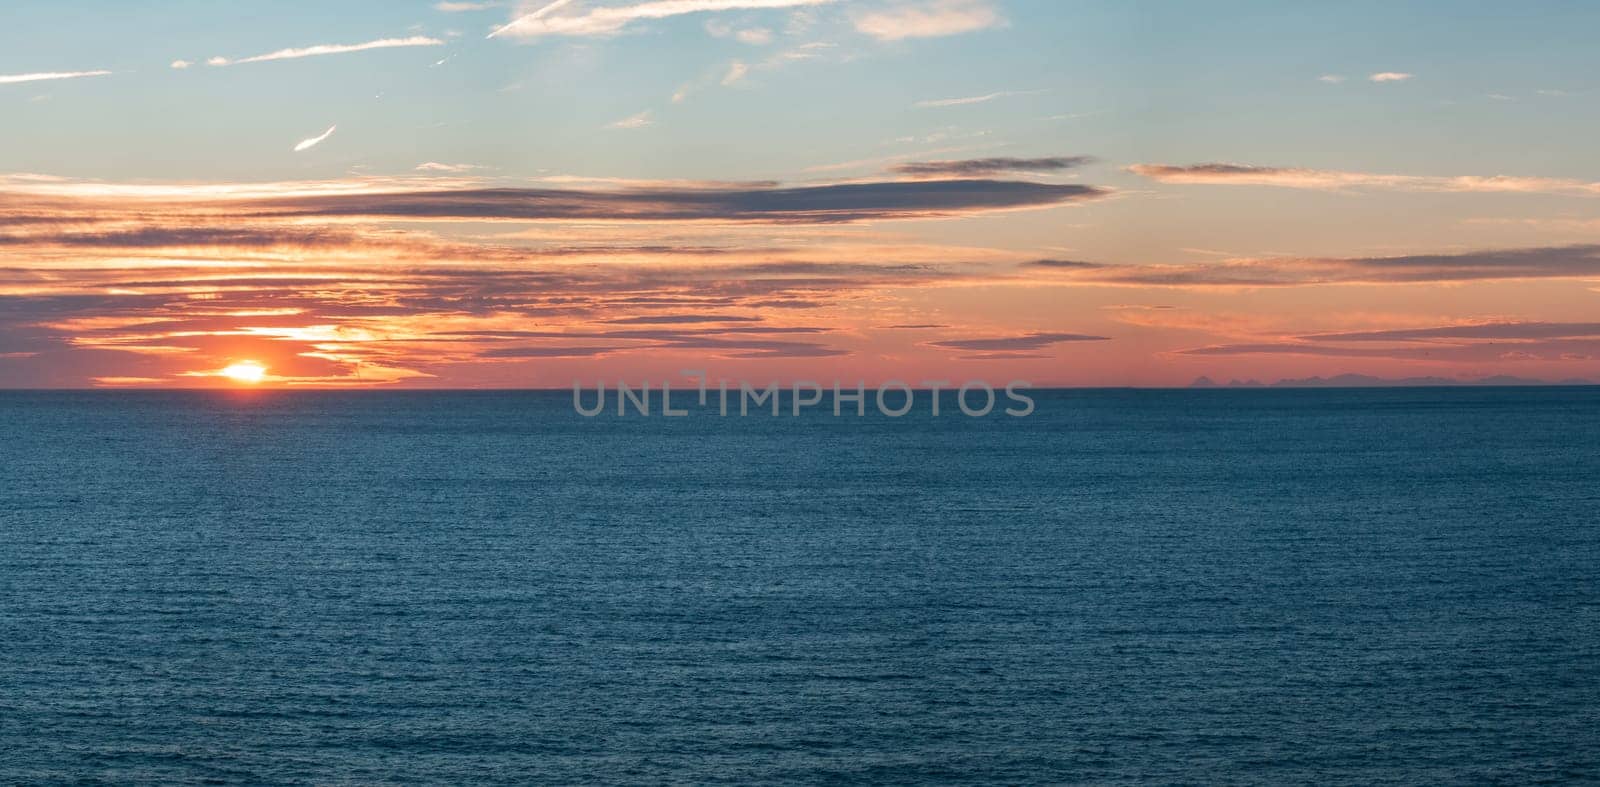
{"x": 344, "y": 290}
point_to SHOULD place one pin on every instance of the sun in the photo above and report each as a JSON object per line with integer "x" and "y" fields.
{"x": 249, "y": 372}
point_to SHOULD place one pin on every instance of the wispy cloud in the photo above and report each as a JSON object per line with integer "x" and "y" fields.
{"x": 824, "y": 204}
{"x": 1476, "y": 342}
{"x": 988, "y": 166}
{"x": 1542, "y": 262}
{"x": 1029, "y": 341}
{"x": 754, "y": 36}
{"x": 1496, "y": 331}
{"x": 427, "y": 199}
{"x": 11, "y": 79}
{"x": 682, "y": 319}
{"x": 1390, "y": 76}
{"x": 645, "y": 118}
{"x": 1064, "y": 264}
{"x": 459, "y": 7}
{"x": 546, "y": 21}
{"x": 1337, "y": 180}
{"x": 1332, "y": 79}
{"x": 738, "y": 69}
{"x": 358, "y": 282}
{"x": 928, "y": 19}
{"x": 965, "y": 100}
{"x": 329, "y": 49}
{"x": 434, "y": 166}
{"x": 307, "y": 144}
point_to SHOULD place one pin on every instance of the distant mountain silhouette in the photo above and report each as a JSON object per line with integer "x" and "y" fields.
{"x": 1368, "y": 381}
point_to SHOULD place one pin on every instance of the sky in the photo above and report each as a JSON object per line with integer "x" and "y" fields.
{"x": 520, "y": 195}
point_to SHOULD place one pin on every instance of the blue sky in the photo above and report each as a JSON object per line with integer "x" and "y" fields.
{"x": 1170, "y": 80}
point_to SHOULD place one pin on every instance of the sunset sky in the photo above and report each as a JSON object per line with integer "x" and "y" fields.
{"x": 484, "y": 194}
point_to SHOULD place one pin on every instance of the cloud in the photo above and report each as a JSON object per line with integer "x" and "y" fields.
{"x": 155, "y": 236}
{"x": 1029, "y": 341}
{"x": 329, "y": 49}
{"x": 1336, "y": 180}
{"x": 351, "y": 314}
{"x": 459, "y": 7}
{"x": 933, "y": 19}
{"x": 738, "y": 70}
{"x": 550, "y": 352}
{"x": 149, "y": 283}
{"x": 1494, "y": 331}
{"x": 605, "y": 20}
{"x": 182, "y": 64}
{"x": 1547, "y": 262}
{"x": 754, "y": 36}
{"x": 45, "y": 213}
{"x": 966, "y": 100}
{"x": 401, "y": 317}
{"x": 640, "y": 120}
{"x": 11, "y": 79}
{"x": 740, "y": 347}
{"x": 307, "y": 144}
{"x": 680, "y": 319}
{"x": 824, "y": 204}
{"x": 1331, "y": 79}
{"x": 434, "y": 166}
{"x": 729, "y": 342}
{"x": 1390, "y": 76}
{"x": 988, "y": 166}
{"x": 1063, "y": 264}
{"x": 1471, "y": 342}
{"x": 1007, "y": 355}
{"x": 1299, "y": 348}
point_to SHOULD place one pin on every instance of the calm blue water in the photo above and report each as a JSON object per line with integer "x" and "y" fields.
{"x": 1204, "y": 586}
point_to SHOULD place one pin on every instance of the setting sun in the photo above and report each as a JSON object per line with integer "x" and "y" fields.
{"x": 245, "y": 372}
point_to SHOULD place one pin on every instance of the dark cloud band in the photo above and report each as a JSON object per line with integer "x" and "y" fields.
{"x": 835, "y": 203}
{"x": 989, "y": 166}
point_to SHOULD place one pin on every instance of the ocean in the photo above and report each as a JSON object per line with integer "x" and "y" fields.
{"x": 1221, "y": 586}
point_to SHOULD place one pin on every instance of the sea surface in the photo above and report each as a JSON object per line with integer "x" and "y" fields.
{"x": 1226, "y": 586}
